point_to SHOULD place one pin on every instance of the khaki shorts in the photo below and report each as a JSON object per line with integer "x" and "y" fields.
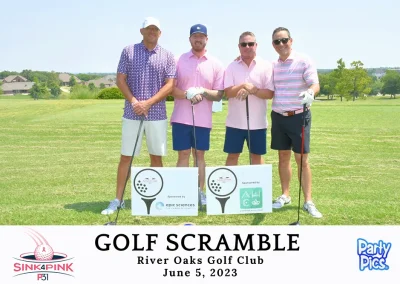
{"x": 155, "y": 132}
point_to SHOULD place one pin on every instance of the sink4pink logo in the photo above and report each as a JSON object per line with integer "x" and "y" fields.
{"x": 43, "y": 261}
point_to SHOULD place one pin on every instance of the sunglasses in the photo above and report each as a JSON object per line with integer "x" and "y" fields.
{"x": 244, "y": 44}
{"x": 282, "y": 40}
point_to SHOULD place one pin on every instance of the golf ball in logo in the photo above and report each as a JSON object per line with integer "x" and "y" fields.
{"x": 44, "y": 252}
{"x": 222, "y": 182}
{"x": 148, "y": 183}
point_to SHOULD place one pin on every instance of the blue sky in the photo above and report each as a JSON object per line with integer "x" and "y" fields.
{"x": 88, "y": 36}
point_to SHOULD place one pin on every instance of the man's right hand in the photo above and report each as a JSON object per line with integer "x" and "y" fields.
{"x": 140, "y": 108}
{"x": 242, "y": 94}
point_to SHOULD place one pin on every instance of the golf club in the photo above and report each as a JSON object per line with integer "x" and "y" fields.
{"x": 113, "y": 223}
{"x": 248, "y": 126}
{"x": 195, "y": 153}
{"x": 297, "y": 223}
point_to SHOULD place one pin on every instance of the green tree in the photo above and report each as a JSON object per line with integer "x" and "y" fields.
{"x": 341, "y": 76}
{"x": 54, "y": 89}
{"x": 39, "y": 90}
{"x": 72, "y": 81}
{"x": 1, "y": 89}
{"x": 376, "y": 87}
{"x": 4, "y": 74}
{"x": 91, "y": 86}
{"x": 102, "y": 86}
{"x": 327, "y": 84}
{"x": 391, "y": 83}
{"x": 361, "y": 80}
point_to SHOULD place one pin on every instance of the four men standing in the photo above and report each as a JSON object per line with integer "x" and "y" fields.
{"x": 146, "y": 75}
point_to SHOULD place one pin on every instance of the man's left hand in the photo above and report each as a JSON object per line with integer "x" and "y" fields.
{"x": 308, "y": 97}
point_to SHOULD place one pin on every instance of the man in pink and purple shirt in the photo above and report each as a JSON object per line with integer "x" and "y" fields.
{"x": 146, "y": 74}
{"x": 248, "y": 77}
{"x": 199, "y": 83}
{"x": 296, "y": 83}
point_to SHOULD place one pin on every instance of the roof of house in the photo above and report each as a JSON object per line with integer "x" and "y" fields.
{"x": 108, "y": 81}
{"x": 9, "y": 79}
{"x": 17, "y": 86}
{"x": 65, "y": 77}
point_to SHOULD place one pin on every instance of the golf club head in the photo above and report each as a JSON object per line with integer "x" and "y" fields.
{"x": 297, "y": 223}
{"x": 112, "y": 223}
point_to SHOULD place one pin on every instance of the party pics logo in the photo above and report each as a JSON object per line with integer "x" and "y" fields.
{"x": 43, "y": 261}
{"x": 373, "y": 256}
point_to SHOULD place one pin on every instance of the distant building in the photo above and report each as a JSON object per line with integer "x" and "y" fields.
{"x": 14, "y": 79}
{"x": 16, "y": 87}
{"x": 65, "y": 77}
{"x": 108, "y": 81}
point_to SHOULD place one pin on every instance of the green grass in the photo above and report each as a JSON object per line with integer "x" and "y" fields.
{"x": 58, "y": 161}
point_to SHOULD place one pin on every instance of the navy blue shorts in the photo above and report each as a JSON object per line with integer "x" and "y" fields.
{"x": 234, "y": 140}
{"x": 286, "y": 132}
{"x": 183, "y": 137}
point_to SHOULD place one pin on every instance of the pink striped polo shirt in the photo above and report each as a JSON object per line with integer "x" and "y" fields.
{"x": 259, "y": 73}
{"x": 206, "y": 72}
{"x": 291, "y": 77}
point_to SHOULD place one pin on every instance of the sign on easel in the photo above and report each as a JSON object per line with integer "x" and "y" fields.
{"x": 164, "y": 191}
{"x": 239, "y": 189}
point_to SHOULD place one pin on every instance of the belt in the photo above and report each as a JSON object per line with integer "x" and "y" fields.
{"x": 292, "y": 112}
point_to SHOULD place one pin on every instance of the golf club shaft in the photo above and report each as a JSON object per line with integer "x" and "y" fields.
{"x": 248, "y": 127}
{"x": 301, "y": 159}
{"x": 130, "y": 166}
{"x": 195, "y": 158}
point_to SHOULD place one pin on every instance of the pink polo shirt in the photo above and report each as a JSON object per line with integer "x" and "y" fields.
{"x": 206, "y": 72}
{"x": 259, "y": 73}
{"x": 291, "y": 77}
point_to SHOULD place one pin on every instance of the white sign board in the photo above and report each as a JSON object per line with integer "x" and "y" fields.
{"x": 217, "y": 106}
{"x": 239, "y": 189}
{"x": 164, "y": 191}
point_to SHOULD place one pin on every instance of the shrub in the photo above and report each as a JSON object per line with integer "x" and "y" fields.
{"x": 110, "y": 94}
{"x": 81, "y": 92}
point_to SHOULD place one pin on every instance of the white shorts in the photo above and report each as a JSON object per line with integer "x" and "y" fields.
{"x": 156, "y": 137}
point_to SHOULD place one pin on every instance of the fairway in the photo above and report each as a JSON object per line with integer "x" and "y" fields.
{"x": 58, "y": 161}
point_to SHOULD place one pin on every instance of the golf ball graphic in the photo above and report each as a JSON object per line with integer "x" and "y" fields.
{"x": 44, "y": 252}
{"x": 148, "y": 183}
{"x": 222, "y": 182}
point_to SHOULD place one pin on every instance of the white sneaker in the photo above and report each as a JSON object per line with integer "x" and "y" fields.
{"x": 113, "y": 206}
{"x": 203, "y": 198}
{"x": 309, "y": 206}
{"x": 281, "y": 201}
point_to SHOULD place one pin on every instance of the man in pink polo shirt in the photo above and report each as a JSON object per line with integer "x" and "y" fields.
{"x": 199, "y": 83}
{"x": 296, "y": 83}
{"x": 249, "y": 76}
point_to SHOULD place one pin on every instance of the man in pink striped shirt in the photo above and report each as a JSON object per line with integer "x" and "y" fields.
{"x": 199, "y": 83}
{"x": 296, "y": 83}
{"x": 248, "y": 77}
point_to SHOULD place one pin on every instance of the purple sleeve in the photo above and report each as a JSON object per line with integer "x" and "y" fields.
{"x": 123, "y": 62}
{"x": 170, "y": 69}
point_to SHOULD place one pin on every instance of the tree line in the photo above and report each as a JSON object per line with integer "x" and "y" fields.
{"x": 355, "y": 82}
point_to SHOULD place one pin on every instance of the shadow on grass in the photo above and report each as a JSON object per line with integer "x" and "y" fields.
{"x": 386, "y": 98}
{"x": 94, "y": 207}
